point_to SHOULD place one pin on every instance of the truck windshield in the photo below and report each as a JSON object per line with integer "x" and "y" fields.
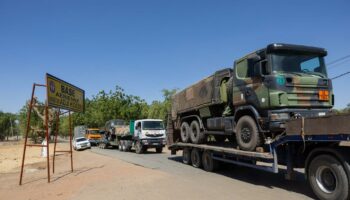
{"x": 298, "y": 64}
{"x": 153, "y": 125}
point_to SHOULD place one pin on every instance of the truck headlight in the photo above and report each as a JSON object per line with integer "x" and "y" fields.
{"x": 279, "y": 116}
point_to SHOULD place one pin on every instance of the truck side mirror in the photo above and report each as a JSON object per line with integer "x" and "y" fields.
{"x": 260, "y": 68}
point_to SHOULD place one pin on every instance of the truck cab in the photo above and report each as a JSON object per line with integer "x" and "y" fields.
{"x": 282, "y": 81}
{"x": 93, "y": 135}
{"x": 149, "y": 133}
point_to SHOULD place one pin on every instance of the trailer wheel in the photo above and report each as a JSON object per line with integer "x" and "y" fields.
{"x": 197, "y": 136}
{"x": 159, "y": 149}
{"x": 124, "y": 145}
{"x": 247, "y": 134}
{"x": 185, "y": 132}
{"x": 327, "y": 178}
{"x": 209, "y": 164}
{"x": 186, "y": 156}
{"x": 139, "y": 148}
{"x": 196, "y": 158}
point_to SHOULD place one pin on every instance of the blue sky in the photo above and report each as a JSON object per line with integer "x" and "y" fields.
{"x": 146, "y": 46}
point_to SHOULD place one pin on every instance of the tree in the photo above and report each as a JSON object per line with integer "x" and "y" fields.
{"x": 7, "y": 125}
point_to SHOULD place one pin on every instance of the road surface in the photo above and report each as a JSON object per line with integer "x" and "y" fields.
{"x": 231, "y": 182}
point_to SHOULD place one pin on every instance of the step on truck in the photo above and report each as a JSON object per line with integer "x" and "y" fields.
{"x": 140, "y": 135}
{"x": 274, "y": 107}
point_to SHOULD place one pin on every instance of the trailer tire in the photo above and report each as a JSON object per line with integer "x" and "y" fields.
{"x": 186, "y": 156}
{"x": 327, "y": 178}
{"x": 247, "y": 134}
{"x": 139, "y": 149}
{"x": 197, "y": 136}
{"x": 185, "y": 132}
{"x": 196, "y": 158}
{"x": 159, "y": 149}
{"x": 209, "y": 164}
{"x": 124, "y": 145}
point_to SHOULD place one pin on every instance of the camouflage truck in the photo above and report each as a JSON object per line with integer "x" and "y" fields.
{"x": 251, "y": 102}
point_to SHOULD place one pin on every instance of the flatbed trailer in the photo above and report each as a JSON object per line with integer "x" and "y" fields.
{"x": 315, "y": 144}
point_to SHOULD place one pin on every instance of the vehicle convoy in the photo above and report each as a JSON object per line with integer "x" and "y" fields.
{"x": 91, "y": 134}
{"x": 140, "y": 134}
{"x": 274, "y": 107}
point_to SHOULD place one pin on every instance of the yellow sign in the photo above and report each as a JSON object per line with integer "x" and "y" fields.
{"x": 61, "y": 94}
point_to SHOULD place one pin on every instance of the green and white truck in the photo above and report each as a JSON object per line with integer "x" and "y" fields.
{"x": 141, "y": 135}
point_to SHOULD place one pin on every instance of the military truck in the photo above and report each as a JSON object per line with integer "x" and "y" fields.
{"x": 250, "y": 103}
{"x": 140, "y": 134}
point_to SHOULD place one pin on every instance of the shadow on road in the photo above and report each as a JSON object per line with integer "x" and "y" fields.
{"x": 262, "y": 178}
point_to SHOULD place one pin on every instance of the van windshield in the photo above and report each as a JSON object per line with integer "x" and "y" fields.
{"x": 152, "y": 125}
{"x": 299, "y": 64}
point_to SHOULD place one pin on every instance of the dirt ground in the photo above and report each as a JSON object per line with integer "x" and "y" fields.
{"x": 90, "y": 170}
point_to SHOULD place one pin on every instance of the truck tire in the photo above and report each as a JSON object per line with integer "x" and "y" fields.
{"x": 196, "y": 158}
{"x": 123, "y": 145}
{"x": 197, "y": 136}
{"x": 247, "y": 134}
{"x": 186, "y": 156}
{"x": 185, "y": 132}
{"x": 139, "y": 147}
{"x": 209, "y": 164}
{"x": 327, "y": 178}
{"x": 159, "y": 149}
{"x": 120, "y": 148}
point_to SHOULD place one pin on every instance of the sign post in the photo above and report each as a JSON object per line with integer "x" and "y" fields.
{"x": 62, "y": 96}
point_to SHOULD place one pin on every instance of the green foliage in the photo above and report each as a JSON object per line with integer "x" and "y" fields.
{"x": 160, "y": 109}
{"x": 8, "y": 125}
{"x": 101, "y": 108}
{"x": 36, "y": 123}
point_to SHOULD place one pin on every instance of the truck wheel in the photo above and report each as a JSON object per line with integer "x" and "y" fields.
{"x": 220, "y": 138}
{"x": 124, "y": 145}
{"x": 120, "y": 148}
{"x": 247, "y": 134}
{"x": 186, "y": 156}
{"x": 209, "y": 164}
{"x": 185, "y": 132}
{"x": 138, "y": 147}
{"x": 197, "y": 136}
{"x": 196, "y": 158}
{"x": 327, "y": 178}
{"x": 159, "y": 149}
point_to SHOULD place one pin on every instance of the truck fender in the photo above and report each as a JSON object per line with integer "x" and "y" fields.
{"x": 251, "y": 109}
{"x": 340, "y": 153}
{"x": 197, "y": 117}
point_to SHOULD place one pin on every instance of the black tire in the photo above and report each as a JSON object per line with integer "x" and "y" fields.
{"x": 197, "y": 136}
{"x": 123, "y": 146}
{"x": 220, "y": 138}
{"x": 139, "y": 147}
{"x": 186, "y": 156}
{"x": 327, "y": 178}
{"x": 159, "y": 149}
{"x": 247, "y": 134}
{"x": 185, "y": 132}
{"x": 209, "y": 164}
{"x": 120, "y": 148}
{"x": 196, "y": 158}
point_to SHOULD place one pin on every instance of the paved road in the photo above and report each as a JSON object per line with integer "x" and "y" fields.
{"x": 238, "y": 182}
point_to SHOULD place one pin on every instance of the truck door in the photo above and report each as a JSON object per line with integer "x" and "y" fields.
{"x": 138, "y": 129}
{"x": 248, "y": 87}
